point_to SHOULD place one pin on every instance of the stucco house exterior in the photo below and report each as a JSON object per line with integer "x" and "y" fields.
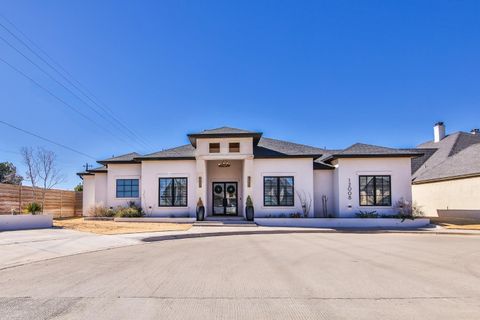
{"x": 225, "y": 165}
{"x": 446, "y": 179}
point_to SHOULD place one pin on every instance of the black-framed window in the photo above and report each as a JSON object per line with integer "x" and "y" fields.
{"x": 375, "y": 190}
{"x": 278, "y": 192}
{"x": 172, "y": 192}
{"x": 127, "y": 188}
{"x": 214, "y": 147}
{"x": 234, "y": 147}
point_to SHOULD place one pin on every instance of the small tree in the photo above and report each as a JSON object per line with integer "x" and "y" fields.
{"x": 78, "y": 187}
{"x": 32, "y": 168}
{"x": 42, "y": 170}
{"x": 8, "y": 174}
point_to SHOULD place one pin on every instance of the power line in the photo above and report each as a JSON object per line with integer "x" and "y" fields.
{"x": 46, "y": 139}
{"x": 60, "y": 99}
{"x": 53, "y": 78}
{"x": 106, "y": 109}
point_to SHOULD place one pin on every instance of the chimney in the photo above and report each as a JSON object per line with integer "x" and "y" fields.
{"x": 438, "y": 131}
{"x": 475, "y": 131}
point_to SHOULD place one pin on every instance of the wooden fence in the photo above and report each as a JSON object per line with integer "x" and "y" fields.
{"x": 60, "y": 203}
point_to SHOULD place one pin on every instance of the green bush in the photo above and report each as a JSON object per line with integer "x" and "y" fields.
{"x": 34, "y": 207}
{"x": 367, "y": 214}
{"x": 129, "y": 212}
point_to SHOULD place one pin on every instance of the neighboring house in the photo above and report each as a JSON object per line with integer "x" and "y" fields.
{"x": 447, "y": 176}
{"x": 223, "y": 166}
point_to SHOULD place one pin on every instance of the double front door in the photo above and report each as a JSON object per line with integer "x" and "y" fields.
{"x": 225, "y": 198}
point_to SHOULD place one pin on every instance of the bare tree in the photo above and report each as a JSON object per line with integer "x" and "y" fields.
{"x": 28, "y": 158}
{"x": 42, "y": 170}
{"x": 305, "y": 201}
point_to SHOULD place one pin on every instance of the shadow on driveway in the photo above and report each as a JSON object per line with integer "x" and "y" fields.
{"x": 295, "y": 231}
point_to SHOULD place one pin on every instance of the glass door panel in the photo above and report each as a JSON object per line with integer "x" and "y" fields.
{"x": 225, "y": 198}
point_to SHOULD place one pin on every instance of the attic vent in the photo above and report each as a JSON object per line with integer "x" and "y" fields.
{"x": 475, "y": 131}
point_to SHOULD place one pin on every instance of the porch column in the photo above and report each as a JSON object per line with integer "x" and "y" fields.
{"x": 201, "y": 183}
{"x": 247, "y": 181}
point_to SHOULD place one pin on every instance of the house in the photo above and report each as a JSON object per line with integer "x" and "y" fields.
{"x": 446, "y": 179}
{"x": 223, "y": 166}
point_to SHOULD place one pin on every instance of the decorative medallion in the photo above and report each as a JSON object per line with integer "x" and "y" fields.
{"x": 231, "y": 189}
{"x": 218, "y": 189}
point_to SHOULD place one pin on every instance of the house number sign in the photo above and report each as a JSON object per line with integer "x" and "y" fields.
{"x": 349, "y": 189}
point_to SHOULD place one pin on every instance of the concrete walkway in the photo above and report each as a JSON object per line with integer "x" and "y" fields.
{"x": 21, "y": 247}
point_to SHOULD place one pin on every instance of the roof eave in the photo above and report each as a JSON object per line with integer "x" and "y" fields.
{"x": 139, "y": 159}
{"x": 103, "y": 162}
{"x": 313, "y": 156}
{"x": 440, "y": 179}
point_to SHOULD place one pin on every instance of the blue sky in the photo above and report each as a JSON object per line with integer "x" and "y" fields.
{"x": 323, "y": 73}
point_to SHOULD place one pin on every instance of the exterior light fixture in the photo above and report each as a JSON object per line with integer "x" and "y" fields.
{"x": 224, "y": 164}
{"x": 200, "y": 181}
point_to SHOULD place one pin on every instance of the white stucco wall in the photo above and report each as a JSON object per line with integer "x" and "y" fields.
{"x": 459, "y": 194}
{"x": 121, "y": 171}
{"x": 302, "y": 171}
{"x": 101, "y": 183}
{"x": 323, "y": 185}
{"x": 398, "y": 168}
{"x": 246, "y": 147}
{"x": 151, "y": 171}
{"x": 88, "y": 194}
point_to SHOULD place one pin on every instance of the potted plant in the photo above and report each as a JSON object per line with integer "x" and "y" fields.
{"x": 249, "y": 209}
{"x": 200, "y": 210}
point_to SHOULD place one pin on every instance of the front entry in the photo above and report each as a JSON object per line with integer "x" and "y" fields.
{"x": 225, "y": 196}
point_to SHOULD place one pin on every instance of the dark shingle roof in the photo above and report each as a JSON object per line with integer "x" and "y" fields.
{"x": 273, "y": 148}
{"x": 183, "y": 152}
{"x": 92, "y": 171}
{"x": 224, "y": 130}
{"x": 125, "y": 158}
{"x": 361, "y": 150}
{"x": 448, "y": 158}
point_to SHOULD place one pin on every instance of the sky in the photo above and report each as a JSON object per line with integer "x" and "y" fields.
{"x": 110, "y": 77}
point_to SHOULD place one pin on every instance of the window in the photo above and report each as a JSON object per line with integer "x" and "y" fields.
{"x": 127, "y": 188}
{"x": 375, "y": 191}
{"x": 278, "y": 192}
{"x": 214, "y": 147}
{"x": 234, "y": 147}
{"x": 172, "y": 192}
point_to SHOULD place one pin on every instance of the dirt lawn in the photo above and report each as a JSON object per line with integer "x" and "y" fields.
{"x": 111, "y": 227}
{"x": 457, "y": 223}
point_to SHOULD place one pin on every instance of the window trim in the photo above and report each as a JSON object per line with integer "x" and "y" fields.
{"x": 210, "y": 147}
{"x": 130, "y": 197}
{"x": 278, "y": 191}
{"x": 173, "y": 193}
{"x": 374, "y": 190}
{"x": 230, "y": 147}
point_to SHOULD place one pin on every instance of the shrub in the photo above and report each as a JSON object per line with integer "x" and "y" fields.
{"x": 367, "y": 214}
{"x": 407, "y": 210}
{"x": 34, "y": 207}
{"x": 129, "y": 212}
{"x": 295, "y": 215}
{"x": 249, "y": 202}
{"x": 101, "y": 211}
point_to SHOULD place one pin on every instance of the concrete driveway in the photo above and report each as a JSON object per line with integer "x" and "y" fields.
{"x": 274, "y": 276}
